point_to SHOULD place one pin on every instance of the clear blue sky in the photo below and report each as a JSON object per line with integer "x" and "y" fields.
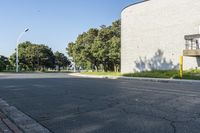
{"x": 53, "y": 22}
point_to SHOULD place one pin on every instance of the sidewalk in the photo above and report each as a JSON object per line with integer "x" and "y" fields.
{"x": 163, "y": 80}
{"x": 6, "y": 126}
{"x": 13, "y": 120}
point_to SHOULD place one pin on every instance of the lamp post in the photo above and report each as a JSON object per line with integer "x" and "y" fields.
{"x": 17, "y": 50}
{"x": 74, "y": 66}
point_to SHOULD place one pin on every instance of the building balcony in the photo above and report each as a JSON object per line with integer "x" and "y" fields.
{"x": 192, "y": 53}
{"x": 192, "y": 46}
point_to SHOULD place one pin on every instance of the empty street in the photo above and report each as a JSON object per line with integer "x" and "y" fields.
{"x": 67, "y": 104}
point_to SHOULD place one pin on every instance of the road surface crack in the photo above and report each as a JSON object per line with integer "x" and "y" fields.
{"x": 172, "y": 124}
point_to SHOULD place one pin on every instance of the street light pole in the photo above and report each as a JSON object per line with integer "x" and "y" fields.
{"x": 17, "y": 49}
{"x": 74, "y": 66}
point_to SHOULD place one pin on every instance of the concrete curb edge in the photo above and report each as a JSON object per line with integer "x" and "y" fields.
{"x": 178, "y": 81}
{"x": 24, "y": 122}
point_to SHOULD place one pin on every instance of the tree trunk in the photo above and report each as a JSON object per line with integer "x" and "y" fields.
{"x": 96, "y": 68}
{"x": 115, "y": 68}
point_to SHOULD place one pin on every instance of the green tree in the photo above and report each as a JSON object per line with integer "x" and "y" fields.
{"x": 34, "y": 57}
{"x": 61, "y": 60}
{"x": 81, "y": 50}
{"x": 114, "y": 53}
{"x": 4, "y": 63}
{"x": 115, "y": 45}
{"x": 45, "y": 57}
{"x": 98, "y": 47}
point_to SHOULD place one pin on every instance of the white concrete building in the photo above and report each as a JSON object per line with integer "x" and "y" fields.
{"x": 153, "y": 35}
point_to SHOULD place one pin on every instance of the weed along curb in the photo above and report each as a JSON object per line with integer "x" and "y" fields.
{"x": 162, "y": 80}
{"x": 24, "y": 122}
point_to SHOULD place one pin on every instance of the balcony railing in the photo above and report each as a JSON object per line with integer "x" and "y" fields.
{"x": 192, "y": 45}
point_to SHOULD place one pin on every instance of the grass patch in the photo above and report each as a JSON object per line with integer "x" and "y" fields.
{"x": 190, "y": 74}
{"x": 154, "y": 74}
{"x": 168, "y": 74}
{"x": 103, "y": 73}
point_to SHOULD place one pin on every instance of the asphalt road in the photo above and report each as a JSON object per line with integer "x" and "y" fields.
{"x": 65, "y": 104}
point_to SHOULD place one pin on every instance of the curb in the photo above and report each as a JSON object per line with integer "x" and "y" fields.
{"x": 177, "y": 81}
{"x": 24, "y": 122}
{"x": 6, "y": 126}
{"x": 162, "y": 80}
{"x": 94, "y": 76}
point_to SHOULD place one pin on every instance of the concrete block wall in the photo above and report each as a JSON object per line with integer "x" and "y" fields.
{"x": 153, "y": 34}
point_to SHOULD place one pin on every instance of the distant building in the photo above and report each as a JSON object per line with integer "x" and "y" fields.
{"x": 156, "y": 33}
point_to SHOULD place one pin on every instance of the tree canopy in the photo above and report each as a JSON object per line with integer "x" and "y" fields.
{"x": 61, "y": 60}
{"x": 98, "y": 49}
{"x": 4, "y": 63}
{"x": 34, "y": 57}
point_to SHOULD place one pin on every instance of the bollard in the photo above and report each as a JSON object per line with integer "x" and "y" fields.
{"x": 181, "y": 66}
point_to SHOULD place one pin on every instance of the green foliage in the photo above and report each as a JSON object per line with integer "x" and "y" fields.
{"x": 174, "y": 74}
{"x": 61, "y": 60}
{"x": 155, "y": 74}
{"x": 193, "y": 74}
{"x": 1, "y": 65}
{"x": 4, "y": 63}
{"x": 168, "y": 74}
{"x": 98, "y": 49}
{"x": 34, "y": 57}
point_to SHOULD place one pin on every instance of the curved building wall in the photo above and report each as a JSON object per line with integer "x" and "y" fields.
{"x": 153, "y": 34}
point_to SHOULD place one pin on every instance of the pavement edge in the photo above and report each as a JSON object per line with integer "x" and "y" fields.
{"x": 22, "y": 121}
{"x": 177, "y": 81}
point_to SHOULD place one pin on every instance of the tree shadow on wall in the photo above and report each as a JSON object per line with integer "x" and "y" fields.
{"x": 157, "y": 62}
